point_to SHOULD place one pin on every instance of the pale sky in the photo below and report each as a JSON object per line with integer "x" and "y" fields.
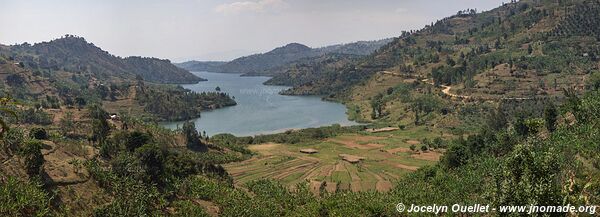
{"x": 218, "y": 29}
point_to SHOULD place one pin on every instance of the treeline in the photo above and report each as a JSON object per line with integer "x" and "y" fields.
{"x": 177, "y": 103}
{"x": 288, "y": 137}
{"x": 74, "y": 54}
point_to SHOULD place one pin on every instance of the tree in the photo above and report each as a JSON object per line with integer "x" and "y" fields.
{"x": 137, "y": 139}
{"x": 152, "y": 158}
{"x": 67, "y": 124}
{"x": 38, "y": 133}
{"x": 192, "y": 137}
{"x": 593, "y": 82}
{"x": 100, "y": 126}
{"x": 424, "y": 148}
{"x": 33, "y": 158}
{"x": 5, "y": 110}
{"x": 550, "y": 116}
{"x": 413, "y": 147}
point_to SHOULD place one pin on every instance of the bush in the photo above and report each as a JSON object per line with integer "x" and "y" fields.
{"x": 35, "y": 116}
{"x": 12, "y": 140}
{"x": 187, "y": 208}
{"x": 136, "y": 139}
{"x": 38, "y": 133}
{"x": 21, "y": 198}
{"x": 33, "y": 158}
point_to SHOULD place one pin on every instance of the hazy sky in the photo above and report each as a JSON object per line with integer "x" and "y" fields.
{"x": 218, "y": 29}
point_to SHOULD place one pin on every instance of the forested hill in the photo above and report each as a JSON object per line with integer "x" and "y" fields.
{"x": 519, "y": 49}
{"x": 271, "y": 62}
{"x": 201, "y": 66}
{"x": 260, "y": 62}
{"x": 75, "y": 54}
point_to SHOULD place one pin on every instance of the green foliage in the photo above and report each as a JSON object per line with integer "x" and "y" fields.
{"x": 305, "y": 135}
{"x": 31, "y": 153}
{"x": 185, "y": 208}
{"x": 38, "y": 133}
{"x": 550, "y": 117}
{"x": 35, "y": 116}
{"x": 176, "y": 103}
{"x": 136, "y": 139}
{"x": 12, "y": 140}
{"x": 100, "y": 126}
{"x": 528, "y": 175}
{"x": 23, "y": 198}
{"x": 66, "y": 123}
{"x": 593, "y": 82}
{"x": 192, "y": 137}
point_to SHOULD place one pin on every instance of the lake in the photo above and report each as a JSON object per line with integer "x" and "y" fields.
{"x": 260, "y": 109}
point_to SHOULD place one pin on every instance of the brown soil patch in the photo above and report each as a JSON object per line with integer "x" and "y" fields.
{"x": 339, "y": 166}
{"x": 354, "y": 144}
{"x": 406, "y": 167}
{"x": 210, "y": 208}
{"x": 430, "y": 156}
{"x": 315, "y": 186}
{"x": 413, "y": 142}
{"x": 330, "y": 186}
{"x": 383, "y": 186}
{"x": 356, "y": 186}
{"x": 264, "y": 147}
{"x": 396, "y": 150}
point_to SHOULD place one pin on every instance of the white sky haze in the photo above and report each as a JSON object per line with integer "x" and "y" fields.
{"x": 218, "y": 29}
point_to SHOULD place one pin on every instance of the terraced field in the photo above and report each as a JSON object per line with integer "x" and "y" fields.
{"x": 387, "y": 156}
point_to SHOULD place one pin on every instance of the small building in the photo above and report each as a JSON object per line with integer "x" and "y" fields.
{"x": 351, "y": 158}
{"x": 309, "y": 151}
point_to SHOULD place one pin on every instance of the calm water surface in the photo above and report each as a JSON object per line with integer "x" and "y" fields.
{"x": 260, "y": 109}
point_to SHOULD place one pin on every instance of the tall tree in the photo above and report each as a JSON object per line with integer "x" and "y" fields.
{"x": 192, "y": 137}
{"x": 550, "y": 116}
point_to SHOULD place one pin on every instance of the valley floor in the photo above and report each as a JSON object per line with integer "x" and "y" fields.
{"x": 383, "y": 158}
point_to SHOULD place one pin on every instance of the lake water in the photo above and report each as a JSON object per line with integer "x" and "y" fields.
{"x": 260, "y": 109}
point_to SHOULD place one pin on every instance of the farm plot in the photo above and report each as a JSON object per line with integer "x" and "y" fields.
{"x": 353, "y": 162}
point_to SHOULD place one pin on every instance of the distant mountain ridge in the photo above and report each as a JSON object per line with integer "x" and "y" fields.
{"x": 72, "y": 53}
{"x": 267, "y": 63}
{"x": 196, "y": 66}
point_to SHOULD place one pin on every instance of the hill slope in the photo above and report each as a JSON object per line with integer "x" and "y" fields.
{"x": 520, "y": 49}
{"x": 74, "y": 54}
{"x": 277, "y": 60}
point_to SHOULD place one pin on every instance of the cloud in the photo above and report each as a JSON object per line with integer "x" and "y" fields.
{"x": 259, "y": 6}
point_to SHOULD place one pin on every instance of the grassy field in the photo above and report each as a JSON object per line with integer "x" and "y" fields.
{"x": 387, "y": 157}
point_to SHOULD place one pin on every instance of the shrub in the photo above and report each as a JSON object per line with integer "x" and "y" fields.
{"x": 22, "y": 198}
{"x": 136, "y": 139}
{"x": 33, "y": 158}
{"x": 38, "y": 133}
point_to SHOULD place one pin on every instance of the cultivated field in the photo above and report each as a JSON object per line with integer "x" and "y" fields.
{"x": 384, "y": 158}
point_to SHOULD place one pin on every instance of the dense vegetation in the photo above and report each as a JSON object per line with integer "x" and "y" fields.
{"x": 74, "y": 54}
{"x": 177, "y": 103}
